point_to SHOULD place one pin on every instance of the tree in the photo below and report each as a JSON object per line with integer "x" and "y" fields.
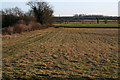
{"x": 97, "y": 20}
{"x": 11, "y": 16}
{"x": 42, "y": 11}
{"x": 13, "y": 11}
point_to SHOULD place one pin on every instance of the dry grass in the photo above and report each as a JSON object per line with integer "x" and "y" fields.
{"x": 62, "y": 53}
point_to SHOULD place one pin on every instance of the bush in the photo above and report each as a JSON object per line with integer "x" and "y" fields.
{"x": 7, "y": 30}
{"x": 9, "y": 20}
{"x": 11, "y": 16}
{"x": 45, "y": 25}
{"x": 10, "y": 30}
{"x": 21, "y": 22}
{"x": 28, "y": 19}
{"x": 19, "y": 28}
{"x": 16, "y": 18}
{"x": 35, "y": 26}
{"x": 4, "y": 30}
{"x": 28, "y": 28}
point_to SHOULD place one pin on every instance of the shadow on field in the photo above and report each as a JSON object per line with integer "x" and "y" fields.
{"x": 56, "y": 78}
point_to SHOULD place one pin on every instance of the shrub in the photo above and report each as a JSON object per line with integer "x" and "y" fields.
{"x": 28, "y": 28}
{"x": 9, "y": 20}
{"x": 10, "y": 30}
{"x": 21, "y": 22}
{"x": 11, "y": 16}
{"x": 27, "y": 19}
{"x": 19, "y": 28}
{"x": 35, "y": 26}
{"x": 4, "y": 30}
{"x": 47, "y": 25}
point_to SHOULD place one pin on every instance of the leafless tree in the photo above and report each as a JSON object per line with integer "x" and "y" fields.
{"x": 42, "y": 11}
{"x": 13, "y": 11}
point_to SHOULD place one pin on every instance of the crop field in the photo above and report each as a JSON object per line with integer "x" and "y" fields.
{"x": 61, "y": 52}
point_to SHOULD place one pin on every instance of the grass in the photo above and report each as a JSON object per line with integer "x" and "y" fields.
{"x": 87, "y": 25}
{"x": 61, "y": 52}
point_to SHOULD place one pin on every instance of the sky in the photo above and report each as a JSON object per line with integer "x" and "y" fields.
{"x": 71, "y": 7}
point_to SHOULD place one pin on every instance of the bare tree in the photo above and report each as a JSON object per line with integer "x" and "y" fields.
{"x": 11, "y": 16}
{"x": 97, "y": 20}
{"x": 13, "y": 11}
{"x": 42, "y": 11}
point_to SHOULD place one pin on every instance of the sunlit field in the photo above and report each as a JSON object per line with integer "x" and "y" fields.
{"x": 61, "y": 52}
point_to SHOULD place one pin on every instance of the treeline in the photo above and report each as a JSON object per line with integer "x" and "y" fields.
{"x": 14, "y": 20}
{"x": 88, "y": 19}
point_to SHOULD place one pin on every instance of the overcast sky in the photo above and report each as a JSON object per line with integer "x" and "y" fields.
{"x": 71, "y": 7}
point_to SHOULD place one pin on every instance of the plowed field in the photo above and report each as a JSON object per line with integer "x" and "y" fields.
{"x": 61, "y": 52}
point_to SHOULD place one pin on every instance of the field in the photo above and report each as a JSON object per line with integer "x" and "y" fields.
{"x": 61, "y": 52}
{"x": 87, "y": 25}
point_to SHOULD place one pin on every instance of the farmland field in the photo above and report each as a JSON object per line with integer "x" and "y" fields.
{"x": 68, "y": 25}
{"x": 61, "y": 52}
